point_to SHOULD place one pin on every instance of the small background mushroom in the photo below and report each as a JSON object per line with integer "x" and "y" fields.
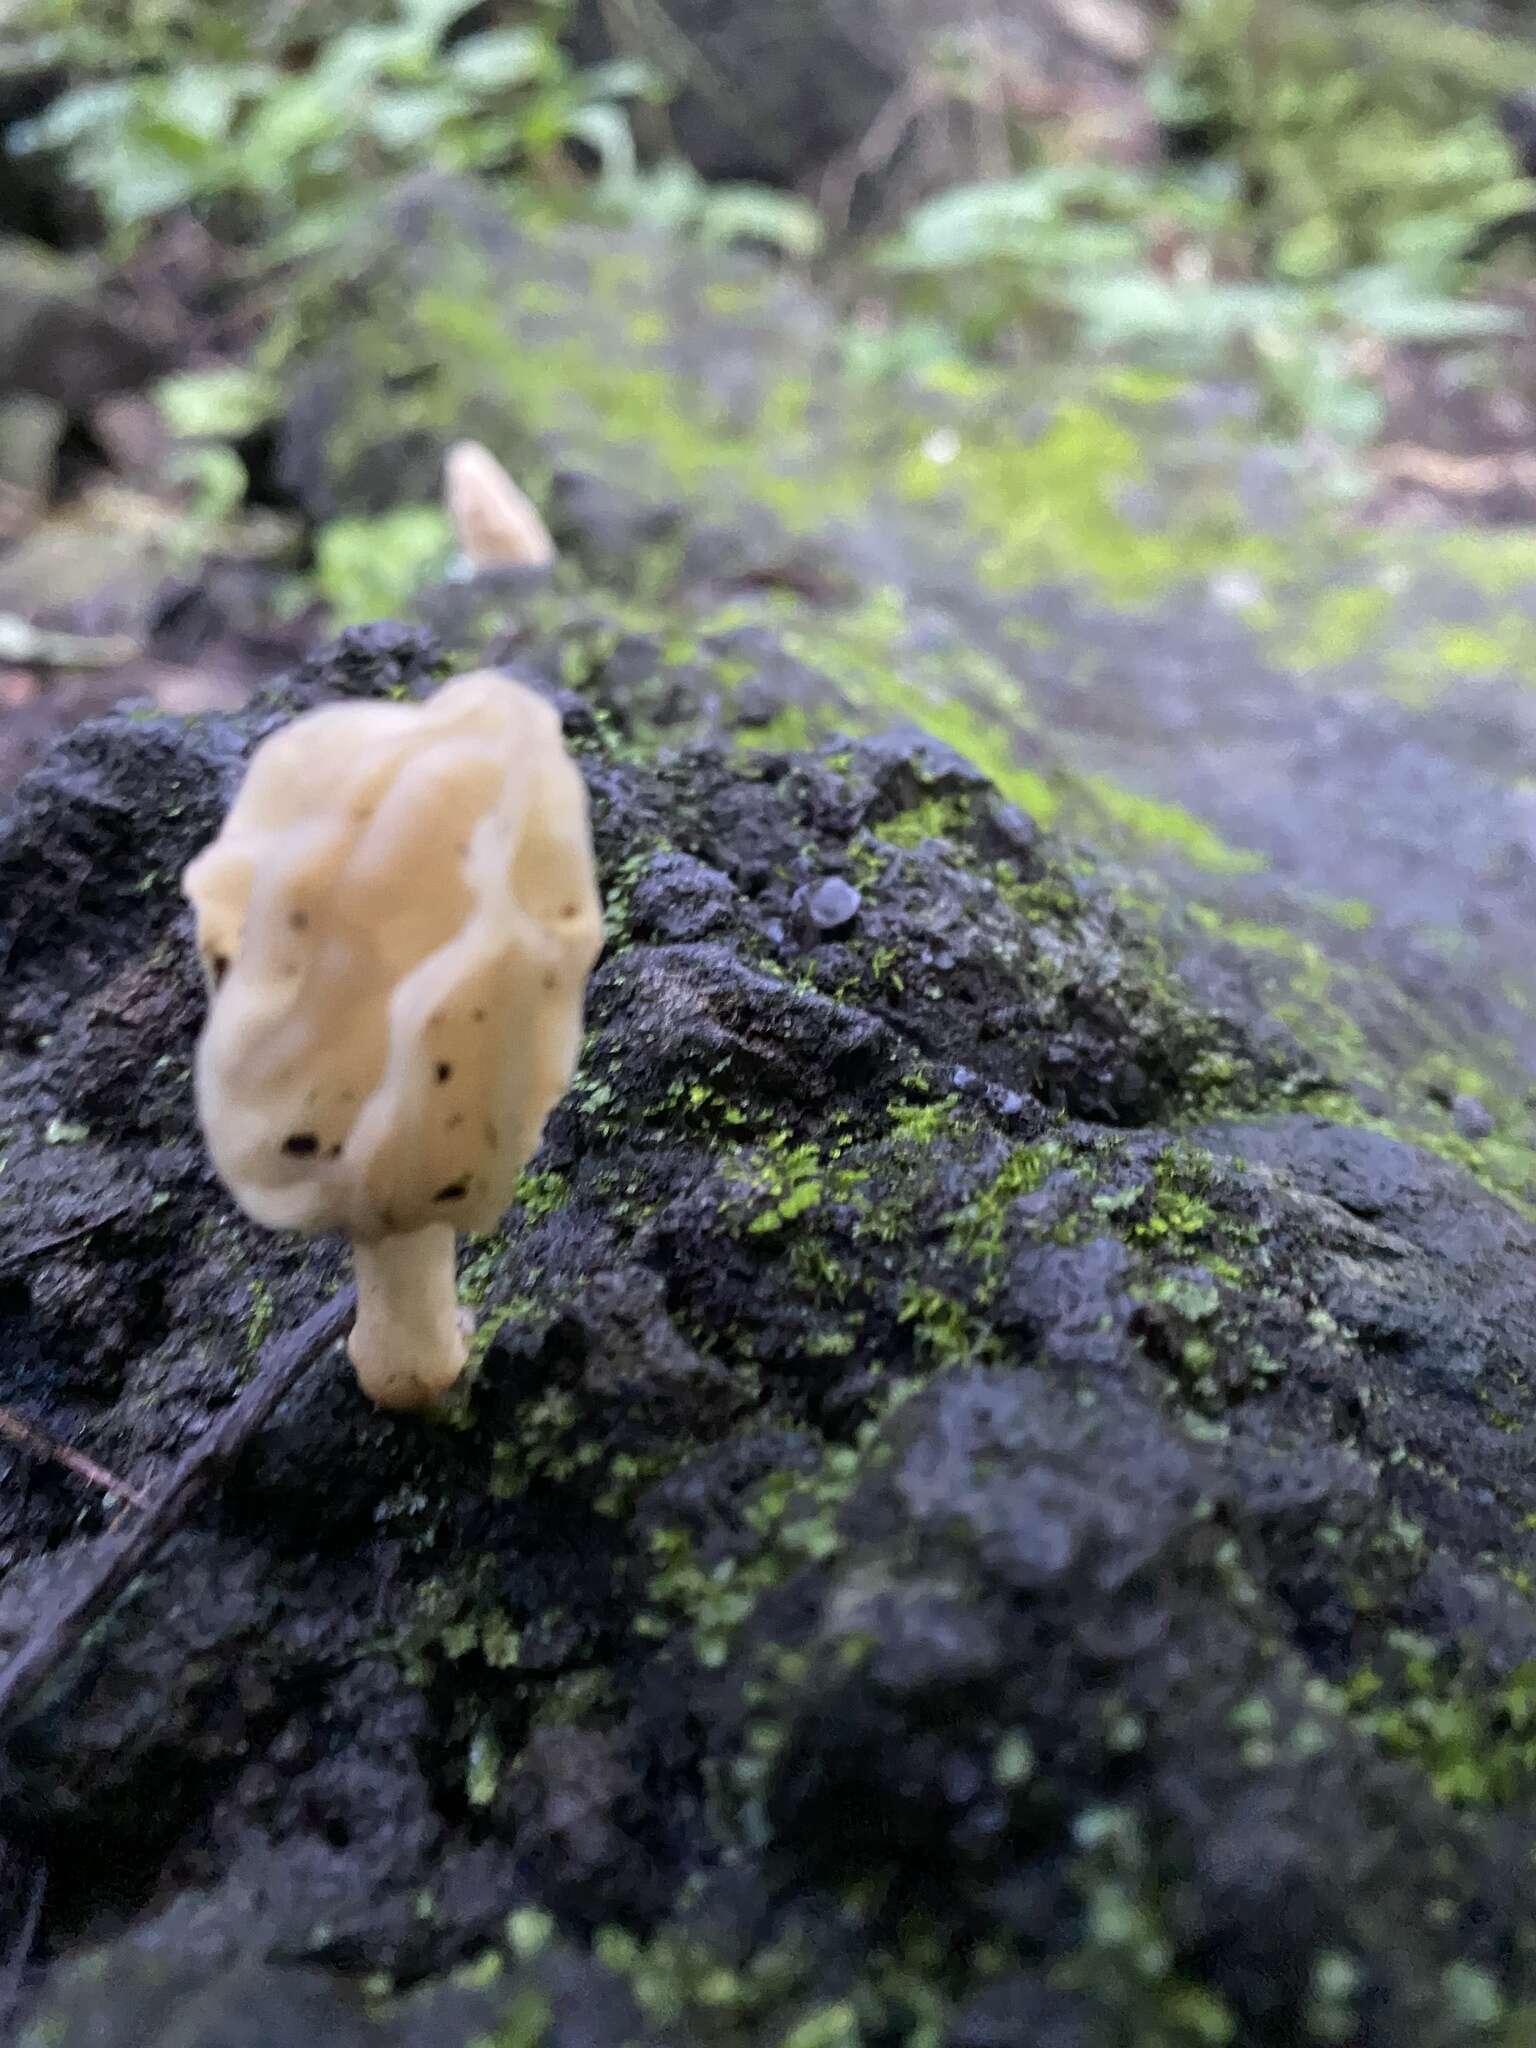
{"x": 397, "y": 921}
{"x": 496, "y": 524}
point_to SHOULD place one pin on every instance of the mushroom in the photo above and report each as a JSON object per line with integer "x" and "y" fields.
{"x": 496, "y": 525}
{"x": 397, "y": 921}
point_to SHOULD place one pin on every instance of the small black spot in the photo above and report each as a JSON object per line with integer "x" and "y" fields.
{"x": 549, "y": 981}
{"x": 455, "y": 1191}
{"x": 299, "y": 920}
{"x": 478, "y": 1016}
{"x": 334, "y": 1152}
{"x": 302, "y": 1145}
{"x": 570, "y": 910}
{"x": 444, "y": 1071}
{"x": 218, "y": 966}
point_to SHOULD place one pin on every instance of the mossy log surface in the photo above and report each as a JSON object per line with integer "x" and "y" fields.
{"x": 1157, "y": 632}
{"x": 984, "y": 1515}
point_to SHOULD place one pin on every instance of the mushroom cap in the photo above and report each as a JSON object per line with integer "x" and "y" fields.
{"x": 397, "y": 918}
{"x": 497, "y": 524}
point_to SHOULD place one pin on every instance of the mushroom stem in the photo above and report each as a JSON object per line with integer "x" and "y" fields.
{"x": 408, "y": 1343}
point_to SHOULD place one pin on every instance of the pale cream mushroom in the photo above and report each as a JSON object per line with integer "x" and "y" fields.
{"x": 497, "y": 526}
{"x": 397, "y": 920}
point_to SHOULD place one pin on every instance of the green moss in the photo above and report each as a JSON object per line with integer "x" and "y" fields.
{"x": 923, "y": 1122}
{"x": 573, "y": 390}
{"x": 945, "y": 1330}
{"x": 934, "y": 818}
{"x": 540, "y": 1195}
{"x": 1340, "y": 626}
{"x": 526, "y": 2022}
{"x": 677, "y": 1977}
{"x": 1052, "y": 508}
{"x": 977, "y": 1231}
{"x": 1127, "y": 1960}
{"x": 1436, "y": 662}
{"x": 779, "y": 1181}
{"x": 1473, "y": 1737}
{"x": 1324, "y": 1000}
{"x": 258, "y": 1322}
{"x": 1497, "y": 562}
{"x": 793, "y": 1518}
{"x": 372, "y": 568}
{"x": 1168, "y": 824}
{"x": 1180, "y": 1211}
{"x": 788, "y": 731}
{"x": 1350, "y": 913}
{"x": 1423, "y": 672}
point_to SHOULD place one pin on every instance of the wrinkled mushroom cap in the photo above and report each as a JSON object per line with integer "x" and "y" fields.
{"x": 397, "y": 921}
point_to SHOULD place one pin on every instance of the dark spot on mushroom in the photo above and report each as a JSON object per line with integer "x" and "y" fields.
{"x": 444, "y": 1071}
{"x": 455, "y": 1191}
{"x": 455, "y": 1120}
{"x": 218, "y": 967}
{"x": 477, "y": 1016}
{"x": 570, "y": 910}
{"x": 491, "y": 1137}
{"x": 299, "y": 920}
{"x": 334, "y": 1152}
{"x": 302, "y": 1145}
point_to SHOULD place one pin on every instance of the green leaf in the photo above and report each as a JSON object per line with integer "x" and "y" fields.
{"x": 502, "y": 59}
{"x": 223, "y": 404}
{"x": 88, "y": 110}
{"x": 755, "y": 213}
{"x": 622, "y": 78}
{"x": 217, "y": 480}
{"x": 606, "y": 132}
{"x": 403, "y": 121}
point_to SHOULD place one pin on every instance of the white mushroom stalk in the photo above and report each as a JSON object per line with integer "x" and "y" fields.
{"x": 409, "y": 1343}
{"x": 397, "y": 921}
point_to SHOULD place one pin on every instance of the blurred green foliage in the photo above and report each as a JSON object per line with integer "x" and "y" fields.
{"x": 1343, "y": 168}
{"x": 185, "y": 105}
{"x": 371, "y": 568}
{"x": 278, "y": 122}
{"x": 1363, "y": 135}
{"x": 1338, "y": 176}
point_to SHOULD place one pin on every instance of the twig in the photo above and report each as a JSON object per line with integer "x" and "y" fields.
{"x": 13, "y": 1967}
{"x": 121, "y": 1558}
{"x": 42, "y": 1446}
